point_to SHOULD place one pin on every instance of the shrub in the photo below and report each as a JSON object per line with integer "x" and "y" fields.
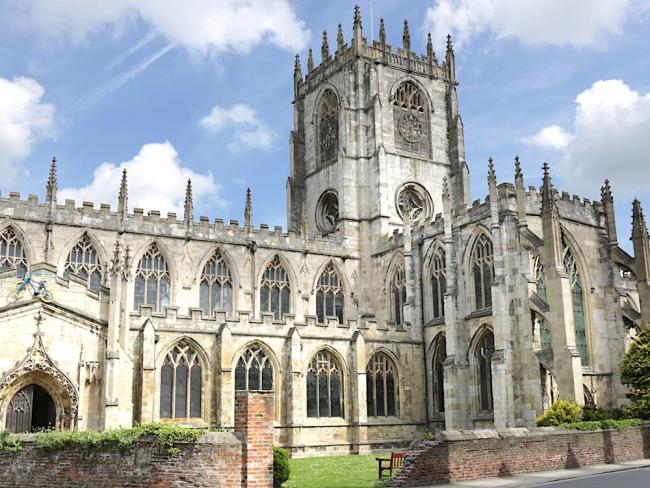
{"x": 607, "y": 424}
{"x": 428, "y": 436}
{"x": 280, "y": 466}
{"x": 9, "y": 442}
{"x": 635, "y": 372}
{"x": 561, "y": 412}
{"x": 592, "y": 412}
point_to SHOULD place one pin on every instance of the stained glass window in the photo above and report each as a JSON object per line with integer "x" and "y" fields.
{"x": 483, "y": 272}
{"x": 398, "y": 293}
{"x": 254, "y": 370}
{"x": 275, "y": 290}
{"x": 438, "y": 283}
{"x": 152, "y": 280}
{"x": 181, "y": 383}
{"x": 329, "y": 295}
{"x": 84, "y": 262}
{"x": 381, "y": 386}
{"x": 439, "y": 357}
{"x": 483, "y": 353}
{"x": 324, "y": 386}
{"x": 216, "y": 286}
{"x": 12, "y": 254}
{"x": 577, "y": 300}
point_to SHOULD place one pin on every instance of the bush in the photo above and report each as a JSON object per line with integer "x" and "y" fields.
{"x": 607, "y": 424}
{"x": 280, "y": 466}
{"x": 592, "y": 412}
{"x": 9, "y": 442}
{"x": 635, "y": 372}
{"x": 428, "y": 436}
{"x": 561, "y": 412}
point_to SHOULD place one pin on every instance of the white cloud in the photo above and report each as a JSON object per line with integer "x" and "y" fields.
{"x": 248, "y": 131}
{"x": 200, "y": 25}
{"x": 551, "y": 137}
{"x": 555, "y": 22}
{"x": 611, "y": 140}
{"x": 156, "y": 180}
{"x": 24, "y": 119}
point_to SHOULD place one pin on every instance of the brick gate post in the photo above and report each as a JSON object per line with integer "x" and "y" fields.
{"x": 254, "y": 422}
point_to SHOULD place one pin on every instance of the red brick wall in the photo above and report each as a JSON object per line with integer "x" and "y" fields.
{"x": 217, "y": 460}
{"x": 518, "y": 451}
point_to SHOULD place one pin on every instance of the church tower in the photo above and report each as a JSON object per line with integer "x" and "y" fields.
{"x": 376, "y": 132}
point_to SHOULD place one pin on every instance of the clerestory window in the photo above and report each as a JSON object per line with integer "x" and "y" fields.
{"x": 152, "y": 280}
{"x": 84, "y": 263}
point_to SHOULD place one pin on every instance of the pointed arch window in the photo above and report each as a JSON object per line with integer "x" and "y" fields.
{"x": 275, "y": 290}
{"x": 216, "y": 286}
{"x": 181, "y": 383}
{"x": 83, "y": 262}
{"x": 483, "y": 356}
{"x": 254, "y": 371}
{"x": 324, "y": 386}
{"x": 398, "y": 293}
{"x": 438, "y": 369}
{"x": 410, "y": 120}
{"x": 539, "y": 275}
{"x": 152, "y": 280}
{"x": 381, "y": 386}
{"x": 578, "y": 304}
{"x": 12, "y": 254}
{"x": 483, "y": 272}
{"x": 329, "y": 295}
{"x": 329, "y": 127}
{"x": 438, "y": 283}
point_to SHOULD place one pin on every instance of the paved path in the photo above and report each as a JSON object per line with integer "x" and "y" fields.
{"x": 631, "y": 474}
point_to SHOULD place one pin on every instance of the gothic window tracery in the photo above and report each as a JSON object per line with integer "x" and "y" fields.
{"x": 398, "y": 293}
{"x": 483, "y": 356}
{"x": 578, "y": 304}
{"x": 381, "y": 386}
{"x": 275, "y": 290}
{"x": 438, "y": 282}
{"x": 152, "y": 280}
{"x": 181, "y": 383}
{"x": 439, "y": 357}
{"x": 414, "y": 203}
{"x": 482, "y": 266}
{"x": 216, "y": 287}
{"x": 329, "y": 295}
{"x": 329, "y": 127}
{"x": 410, "y": 120}
{"x": 254, "y": 371}
{"x": 540, "y": 278}
{"x": 12, "y": 254}
{"x": 327, "y": 213}
{"x": 84, "y": 262}
{"x": 324, "y": 386}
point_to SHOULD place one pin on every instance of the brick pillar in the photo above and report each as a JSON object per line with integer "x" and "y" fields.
{"x": 254, "y": 423}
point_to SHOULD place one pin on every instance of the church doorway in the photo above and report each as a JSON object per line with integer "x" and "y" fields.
{"x": 30, "y": 410}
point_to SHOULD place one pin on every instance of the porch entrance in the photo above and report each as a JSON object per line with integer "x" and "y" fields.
{"x": 31, "y": 409}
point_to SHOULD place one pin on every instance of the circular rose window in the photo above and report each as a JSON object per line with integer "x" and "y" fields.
{"x": 414, "y": 202}
{"x": 327, "y": 212}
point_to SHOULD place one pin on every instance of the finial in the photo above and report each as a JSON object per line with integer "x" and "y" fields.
{"x": 445, "y": 188}
{"x": 450, "y": 46}
{"x": 639, "y": 227}
{"x": 545, "y": 167}
{"x": 340, "y": 42}
{"x": 357, "y": 16}
{"x": 406, "y": 37}
{"x": 296, "y": 66}
{"x": 606, "y": 193}
{"x": 325, "y": 48}
{"x": 430, "y": 53}
{"x": 382, "y": 32}
{"x": 51, "y": 182}
{"x": 248, "y": 211}
{"x": 518, "y": 173}
{"x": 310, "y": 61}
{"x": 123, "y": 195}
{"x": 492, "y": 177}
{"x": 189, "y": 206}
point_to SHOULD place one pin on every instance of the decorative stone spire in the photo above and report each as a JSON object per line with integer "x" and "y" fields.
{"x": 548, "y": 196}
{"x": 357, "y": 37}
{"x": 340, "y": 41}
{"x": 51, "y": 183}
{"x": 122, "y": 196}
{"x": 492, "y": 177}
{"x": 445, "y": 189}
{"x": 248, "y": 212}
{"x": 382, "y": 32}
{"x": 297, "y": 75}
{"x": 406, "y": 37}
{"x": 518, "y": 174}
{"x": 450, "y": 60}
{"x": 520, "y": 193}
{"x": 325, "y": 48}
{"x": 189, "y": 205}
{"x": 639, "y": 227}
{"x": 430, "y": 52}
{"x": 310, "y": 61}
{"x": 607, "y": 201}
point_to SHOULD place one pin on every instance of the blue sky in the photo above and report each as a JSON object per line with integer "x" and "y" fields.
{"x": 205, "y": 92}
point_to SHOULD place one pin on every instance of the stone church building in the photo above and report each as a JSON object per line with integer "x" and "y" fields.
{"x": 392, "y": 304}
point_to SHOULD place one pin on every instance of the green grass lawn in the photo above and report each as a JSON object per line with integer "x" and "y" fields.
{"x": 333, "y": 472}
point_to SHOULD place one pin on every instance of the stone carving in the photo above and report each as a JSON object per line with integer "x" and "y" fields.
{"x": 413, "y": 201}
{"x": 327, "y": 213}
{"x": 411, "y": 127}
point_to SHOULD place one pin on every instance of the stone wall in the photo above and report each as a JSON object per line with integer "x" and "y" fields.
{"x": 489, "y": 453}
{"x": 219, "y": 459}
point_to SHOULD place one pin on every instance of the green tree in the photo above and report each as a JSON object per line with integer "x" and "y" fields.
{"x": 635, "y": 372}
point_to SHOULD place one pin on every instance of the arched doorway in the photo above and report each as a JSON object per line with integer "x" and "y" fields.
{"x": 31, "y": 409}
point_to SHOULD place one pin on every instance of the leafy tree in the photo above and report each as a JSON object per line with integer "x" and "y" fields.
{"x": 635, "y": 372}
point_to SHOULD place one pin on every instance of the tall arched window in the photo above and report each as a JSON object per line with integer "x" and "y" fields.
{"x": 398, "y": 293}
{"x": 329, "y": 295}
{"x": 381, "y": 386}
{"x": 324, "y": 386}
{"x": 275, "y": 290}
{"x": 216, "y": 286}
{"x": 438, "y": 369}
{"x": 438, "y": 282}
{"x": 12, "y": 254}
{"x": 578, "y": 303}
{"x": 483, "y": 355}
{"x": 152, "y": 280}
{"x": 483, "y": 272}
{"x": 539, "y": 276}
{"x": 180, "y": 383}
{"x": 84, "y": 262}
{"x": 410, "y": 120}
{"x": 329, "y": 127}
{"x": 254, "y": 371}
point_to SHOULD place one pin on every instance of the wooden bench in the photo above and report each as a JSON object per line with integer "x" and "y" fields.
{"x": 392, "y": 464}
